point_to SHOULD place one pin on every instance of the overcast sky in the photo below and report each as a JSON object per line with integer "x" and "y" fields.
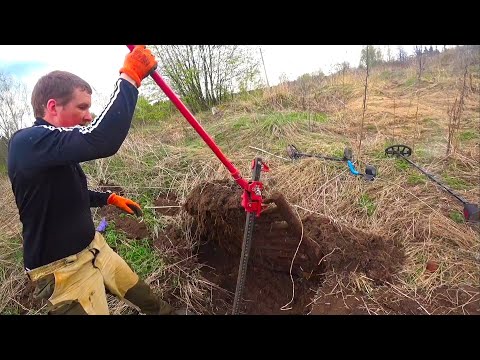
{"x": 99, "y": 64}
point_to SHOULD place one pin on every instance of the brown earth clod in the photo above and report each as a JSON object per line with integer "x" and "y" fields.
{"x": 278, "y": 248}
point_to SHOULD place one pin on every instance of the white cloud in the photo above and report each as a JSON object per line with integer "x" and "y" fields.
{"x": 97, "y": 64}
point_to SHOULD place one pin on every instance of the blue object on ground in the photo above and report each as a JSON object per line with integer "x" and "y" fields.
{"x": 352, "y": 168}
{"x": 102, "y": 226}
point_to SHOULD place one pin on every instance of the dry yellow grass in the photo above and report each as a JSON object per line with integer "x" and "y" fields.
{"x": 417, "y": 215}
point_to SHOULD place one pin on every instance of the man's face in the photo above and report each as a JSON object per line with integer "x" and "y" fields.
{"x": 77, "y": 111}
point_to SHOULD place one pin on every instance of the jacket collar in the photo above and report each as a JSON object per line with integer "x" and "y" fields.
{"x": 40, "y": 121}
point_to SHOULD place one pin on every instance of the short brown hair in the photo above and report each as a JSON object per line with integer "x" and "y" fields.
{"x": 58, "y": 85}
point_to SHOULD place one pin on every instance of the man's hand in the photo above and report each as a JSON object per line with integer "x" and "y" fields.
{"x": 139, "y": 64}
{"x": 125, "y": 204}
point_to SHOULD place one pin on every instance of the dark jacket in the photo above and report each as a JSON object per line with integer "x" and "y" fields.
{"x": 49, "y": 185}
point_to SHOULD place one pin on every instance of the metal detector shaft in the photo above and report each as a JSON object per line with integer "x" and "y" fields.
{"x": 431, "y": 177}
{"x": 322, "y": 157}
{"x": 198, "y": 128}
{"x": 247, "y": 242}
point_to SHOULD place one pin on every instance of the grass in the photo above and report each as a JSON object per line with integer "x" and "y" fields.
{"x": 154, "y": 224}
{"x": 3, "y": 169}
{"x": 242, "y": 123}
{"x": 171, "y": 157}
{"x": 455, "y": 182}
{"x": 275, "y": 120}
{"x": 402, "y": 165}
{"x": 12, "y": 276}
{"x": 367, "y": 204}
{"x": 138, "y": 254}
{"x": 416, "y": 179}
{"x": 457, "y": 216}
{"x": 410, "y": 81}
{"x": 468, "y": 135}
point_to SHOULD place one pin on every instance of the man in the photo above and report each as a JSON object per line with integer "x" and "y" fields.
{"x": 70, "y": 263}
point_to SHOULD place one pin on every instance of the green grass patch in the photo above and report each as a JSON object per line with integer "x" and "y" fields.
{"x": 279, "y": 147}
{"x": 242, "y": 123}
{"x": 269, "y": 122}
{"x": 337, "y": 152}
{"x": 455, "y": 183}
{"x": 138, "y": 253}
{"x": 194, "y": 142}
{"x": 421, "y": 153}
{"x": 416, "y": 179}
{"x": 468, "y": 135}
{"x": 367, "y": 204}
{"x": 457, "y": 216}
{"x": 3, "y": 169}
{"x": 401, "y": 164}
{"x": 153, "y": 223}
{"x": 319, "y": 117}
{"x": 150, "y": 159}
{"x": 410, "y": 81}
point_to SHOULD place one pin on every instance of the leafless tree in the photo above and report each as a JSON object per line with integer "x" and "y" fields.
{"x": 14, "y": 105}
{"x": 420, "y": 61}
{"x": 205, "y": 75}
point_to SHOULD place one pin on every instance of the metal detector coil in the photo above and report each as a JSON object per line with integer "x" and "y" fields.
{"x": 470, "y": 211}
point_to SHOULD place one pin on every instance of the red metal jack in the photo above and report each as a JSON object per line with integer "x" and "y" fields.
{"x": 252, "y": 195}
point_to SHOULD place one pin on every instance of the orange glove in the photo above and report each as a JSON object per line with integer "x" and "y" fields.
{"x": 139, "y": 63}
{"x": 124, "y": 204}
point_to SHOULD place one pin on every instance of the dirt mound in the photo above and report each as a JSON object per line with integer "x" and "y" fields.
{"x": 277, "y": 243}
{"x": 288, "y": 256}
{"x": 130, "y": 225}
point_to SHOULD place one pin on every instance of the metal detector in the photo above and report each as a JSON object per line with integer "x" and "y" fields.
{"x": 370, "y": 171}
{"x": 470, "y": 211}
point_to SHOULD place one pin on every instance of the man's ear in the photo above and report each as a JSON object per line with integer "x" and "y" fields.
{"x": 52, "y": 106}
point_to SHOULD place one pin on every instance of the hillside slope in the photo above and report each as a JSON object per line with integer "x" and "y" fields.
{"x": 401, "y": 222}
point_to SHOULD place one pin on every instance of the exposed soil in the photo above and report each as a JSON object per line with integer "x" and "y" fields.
{"x": 294, "y": 264}
{"x": 331, "y": 299}
{"x": 130, "y": 225}
{"x": 25, "y": 297}
{"x": 280, "y": 256}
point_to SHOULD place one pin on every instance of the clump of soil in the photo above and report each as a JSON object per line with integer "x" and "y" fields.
{"x": 26, "y": 298}
{"x": 167, "y": 205}
{"x": 282, "y": 261}
{"x": 127, "y": 223}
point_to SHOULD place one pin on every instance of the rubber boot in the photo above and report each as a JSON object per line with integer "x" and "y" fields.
{"x": 141, "y": 295}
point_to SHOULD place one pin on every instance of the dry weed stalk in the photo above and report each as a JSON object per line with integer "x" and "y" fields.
{"x": 364, "y": 107}
{"x": 454, "y": 116}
